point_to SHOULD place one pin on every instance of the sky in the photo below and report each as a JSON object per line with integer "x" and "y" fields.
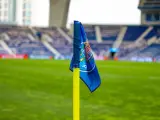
{"x": 40, "y": 12}
{"x": 93, "y": 12}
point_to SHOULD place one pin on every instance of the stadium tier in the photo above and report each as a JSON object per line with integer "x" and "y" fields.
{"x": 90, "y": 31}
{"x": 109, "y": 32}
{"x": 157, "y": 58}
{"x": 151, "y": 34}
{"x": 57, "y": 40}
{"x": 26, "y": 46}
{"x": 2, "y": 50}
{"x": 67, "y": 31}
{"x": 130, "y": 41}
{"x": 134, "y": 32}
{"x": 152, "y": 50}
{"x": 55, "y": 35}
{"x": 100, "y": 48}
{"x": 19, "y": 40}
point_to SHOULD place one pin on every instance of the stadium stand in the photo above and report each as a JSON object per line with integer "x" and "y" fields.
{"x": 2, "y": 50}
{"x": 158, "y": 58}
{"x": 26, "y": 46}
{"x": 22, "y": 40}
{"x": 67, "y": 31}
{"x": 133, "y": 32}
{"x": 136, "y": 39}
{"x": 151, "y": 51}
{"x": 100, "y": 48}
{"x": 54, "y": 34}
{"x": 58, "y": 42}
{"x": 157, "y": 30}
{"x": 151, "y": 34}
{"x": 109, "y": 32}
{"x": 90, "y": 31}
{"x": 56, "y": 37}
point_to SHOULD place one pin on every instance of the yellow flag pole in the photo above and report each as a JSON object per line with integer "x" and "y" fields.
{"x": 76, "y": 94}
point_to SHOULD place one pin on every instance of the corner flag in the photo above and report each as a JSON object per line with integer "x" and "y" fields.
{"x": 83, "y": 66}
{"x": 83, "y": 58}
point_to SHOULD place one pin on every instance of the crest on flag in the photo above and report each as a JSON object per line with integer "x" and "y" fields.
{"x": 86, "y": 58}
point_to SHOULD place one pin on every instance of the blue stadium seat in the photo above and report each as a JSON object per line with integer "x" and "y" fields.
{"x": 67, "y": 32}
{"x": 90, "y": 32}
{"x": 100, "y": 48}
{"x": 134, "y": 32}
{"x": 157, "y": 29}
{"x": 157, "y": 57}
{"x": 57, "y": 38}
{"x": 29, "y": 47}
{"x": 20, "y": 43}
{"x": 152, "y": 51}
{"x": 65, "y": 50}
{"x": 151, "y": 34}
{"x": 109, "y": 32}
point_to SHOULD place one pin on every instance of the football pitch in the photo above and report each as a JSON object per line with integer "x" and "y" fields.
{"x": 42, "y": 90}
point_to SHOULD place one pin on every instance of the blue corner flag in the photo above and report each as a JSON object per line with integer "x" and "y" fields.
{"x": 83, "y": 58}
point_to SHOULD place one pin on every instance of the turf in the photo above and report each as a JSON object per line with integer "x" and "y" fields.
{"x": 42, "y": 90}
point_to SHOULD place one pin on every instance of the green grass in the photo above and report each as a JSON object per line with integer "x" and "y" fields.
{"x": 42, "y": 90}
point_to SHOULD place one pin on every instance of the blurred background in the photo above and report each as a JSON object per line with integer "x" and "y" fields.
{"x": 129, "y": 31}
{"x": 125, "y": 39}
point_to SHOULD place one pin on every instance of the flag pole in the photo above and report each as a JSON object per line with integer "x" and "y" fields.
{"x": 76, "y": 70}
{"x": 76, "y": 94}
